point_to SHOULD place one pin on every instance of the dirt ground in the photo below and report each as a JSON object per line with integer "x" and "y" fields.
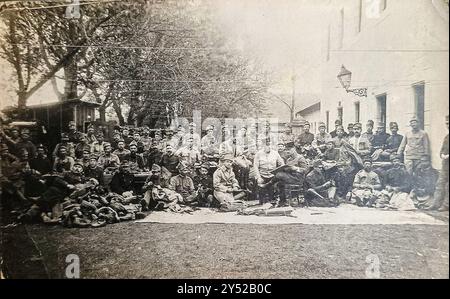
{"x": 149, "y": 250}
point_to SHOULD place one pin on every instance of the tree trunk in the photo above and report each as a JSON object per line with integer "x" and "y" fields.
{"x": 70, "y": 69}
{"x": 102, "y": 113}
{"x": 118, "y": 111}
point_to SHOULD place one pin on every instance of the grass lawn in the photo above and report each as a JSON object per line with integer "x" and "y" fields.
{"x": 149, "y": 250}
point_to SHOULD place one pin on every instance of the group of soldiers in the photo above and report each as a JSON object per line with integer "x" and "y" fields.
{"x": 181, "y": 170}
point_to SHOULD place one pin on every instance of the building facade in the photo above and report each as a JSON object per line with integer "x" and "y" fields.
{"x": 398, "y": 50}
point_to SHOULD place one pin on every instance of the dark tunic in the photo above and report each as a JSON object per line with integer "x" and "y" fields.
{"x": 393, "y": 142}
{"x": 43, "y": 165}
{"x": 379, "y": 140}
{"x": 398, "y": 177}
{"x": 95, "y": 173}
{"x": 170, "y": 163}
{"x": 154, "y": 156}
{"x": 135, "y": 159}
{"x": 304, "y": 139}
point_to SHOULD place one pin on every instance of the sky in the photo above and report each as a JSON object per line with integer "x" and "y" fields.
{"x": 285, "y": 36}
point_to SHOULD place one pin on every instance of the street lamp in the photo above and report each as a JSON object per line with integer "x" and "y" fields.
{"x": 345, "y": 78}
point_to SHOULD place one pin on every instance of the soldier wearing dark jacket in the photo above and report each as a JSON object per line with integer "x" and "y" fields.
{"x": 169, "y": 160}
{"x": 397, "y": 177}
{"x": 94, "y": 171}
{"x": 203, "y": 182}
{"x": 134, "y": 158}
{"x": 153, "y": 155}
{"x": 319, "y": 190}
{"x": 59, "y": 188}
{"x": 41, "y": 162}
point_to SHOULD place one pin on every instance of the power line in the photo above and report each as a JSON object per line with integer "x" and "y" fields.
{"x": 125, "y": 47}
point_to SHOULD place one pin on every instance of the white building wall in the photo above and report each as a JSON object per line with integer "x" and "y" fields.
{"x": 407, "y": 25}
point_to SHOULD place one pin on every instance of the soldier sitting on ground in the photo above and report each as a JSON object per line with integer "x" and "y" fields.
{"x": 366, "y": 186}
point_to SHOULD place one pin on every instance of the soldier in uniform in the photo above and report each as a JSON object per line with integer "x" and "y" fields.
{"x": 379, "y": 143}
{"x": 350, "y": 132}
{"x": 369, "y": 130}
{"x": 189, "y": 153}
{"x": 93, "y": 170}
{"x": 415, "y": 146}
{"x": 392, "y": 143}
{"x": 226, "y": 186}
{"x": 183, "y": 184}
{"x": 41, "y": 162}
{"x": 67, "y": 144}
{"x": 97, "y": 146}
{"x": 209, "y": 145}
{"x": 153, "y": 154}
{"x": 73, "y": 134}
{"x": 108, "y": 159}
{"x": 90, "y": 135}
{"x": 360, "y": 143}
{"x": 22, "y": 142}
{"x": 63, "y": 162}
{"x": 303, "y": 141}
{"x": 366, "y": 186}
{"x": 320, "y": 191}
{"x": 321, "y": 138}
{"x": 169, "y": 162}
{"x": 121, "y": 151}
{"x": 135, "y": 159}
{"x": 204, "y": 184}
{"x": 287, "y": 135}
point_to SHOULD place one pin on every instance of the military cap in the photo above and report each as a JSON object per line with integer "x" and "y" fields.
{"x": 322, "y": 124}
{"x": 226, "y": 157}
{"x": 370, "y": 122}
{"x": 289, "y": 144}
{"x": 357, "y": 125}
{"x": 413, "y": 118}
{"x": 393, "y": 124}
{"x": 182, "y": 165}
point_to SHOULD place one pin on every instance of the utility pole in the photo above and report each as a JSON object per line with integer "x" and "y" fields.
{"x": 293, "y": 79}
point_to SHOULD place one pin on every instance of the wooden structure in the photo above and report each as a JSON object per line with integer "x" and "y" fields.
{"x": 55, "y": 116}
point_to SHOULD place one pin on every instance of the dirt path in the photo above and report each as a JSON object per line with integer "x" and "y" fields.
{"x": 147, "y": 250}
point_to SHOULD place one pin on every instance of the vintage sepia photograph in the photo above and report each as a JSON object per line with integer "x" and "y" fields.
{"x": 224, "y": 139}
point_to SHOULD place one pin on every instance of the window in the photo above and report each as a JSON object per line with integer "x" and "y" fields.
{"x": 419, "y": 103}
{"x": 381, "y": 108}
{"x": 327, "y": 117}
{"x": 357, "y": 112}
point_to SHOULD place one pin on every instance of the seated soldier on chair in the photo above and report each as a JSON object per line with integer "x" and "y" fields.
{"x": 266, "y": 160}
{"x": 319, "y": 191}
